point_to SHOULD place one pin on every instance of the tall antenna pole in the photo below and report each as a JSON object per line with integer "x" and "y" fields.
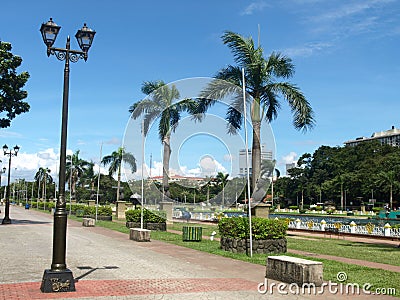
{"x": 258, "y": 35}
{"x": 98, "y": 180}
{"x": 141, "y": 212}
{"x": 247, "y": 164}
{"x": 151, "y": 158}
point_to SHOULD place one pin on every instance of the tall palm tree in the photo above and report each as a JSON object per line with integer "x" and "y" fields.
{"x": 160, "y": 104}
{"x": 115, "y": 162}
{"x": 222, "y": 179}
{"x": 42, "y": 177}
{"x": 388, "y": 180}
{"x": 261, "y": 76}
{"x": 75, "y": 169}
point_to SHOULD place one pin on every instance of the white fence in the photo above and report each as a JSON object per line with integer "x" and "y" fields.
{"x": 352, "y": 228}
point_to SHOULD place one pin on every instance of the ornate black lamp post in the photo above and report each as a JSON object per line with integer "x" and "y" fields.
{"x": 11, "y": 153}
{"x": 58, "y": 278}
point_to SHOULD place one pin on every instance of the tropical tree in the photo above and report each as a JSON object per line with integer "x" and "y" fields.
{"x": 222, "y": 180}
{"x": 114, "y": 160}
{"x": 261, "y": 76}
{"x": 11, "y": 84}
{"x": 160, "y": 104}
{"x": 75, "y": 169}
{"x": 42, "y": 177}
{"x": 388, "y": 180}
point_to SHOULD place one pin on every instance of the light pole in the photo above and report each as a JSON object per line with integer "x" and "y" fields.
{"x": 58, "y": 278}
{"x": 11, "y": 153}
{"x": 1, "y": 174}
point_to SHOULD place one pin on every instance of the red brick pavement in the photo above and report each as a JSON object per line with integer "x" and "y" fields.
{"x": 98, "y": 288}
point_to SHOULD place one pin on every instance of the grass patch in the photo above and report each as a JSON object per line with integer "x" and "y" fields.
{"x": 380, "y": 253}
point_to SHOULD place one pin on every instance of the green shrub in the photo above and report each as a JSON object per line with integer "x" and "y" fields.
{"x": 293, "y": 207}
{"x": 302, "y": 211}
{"x": 262, "y": 229}
{"x": 89, "y": 210}
{"x": 104, "y": 211}
{"x": 376, "y": 209}
{"x": 133, "y": 215}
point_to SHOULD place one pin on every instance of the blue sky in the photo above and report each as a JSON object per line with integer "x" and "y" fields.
{"x": 345, "y": 53}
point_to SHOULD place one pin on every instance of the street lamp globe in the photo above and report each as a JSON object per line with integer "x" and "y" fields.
{"x": 16, "y": 149}
{"x": 85, "y": 37}
{"x": 49, "y": 32}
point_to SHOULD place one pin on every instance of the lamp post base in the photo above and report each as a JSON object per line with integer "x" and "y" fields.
{"x": 57, "y": 281}
{"x": 6, "y": 221}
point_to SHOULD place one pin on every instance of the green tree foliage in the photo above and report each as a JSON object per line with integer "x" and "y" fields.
{"x": 332, "y": 173}
{"x": 11, "y": 84}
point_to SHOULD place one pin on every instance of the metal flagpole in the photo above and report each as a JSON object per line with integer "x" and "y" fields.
{"x": 98, "y": 181}
{"x": 141, "y": 212}
{"x": 247, "y": 165}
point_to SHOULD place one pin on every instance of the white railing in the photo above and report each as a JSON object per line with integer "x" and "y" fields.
{"x": 368, "y": 229}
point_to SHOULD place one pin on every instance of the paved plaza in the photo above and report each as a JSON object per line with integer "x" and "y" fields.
{"x": 107, "y": 265}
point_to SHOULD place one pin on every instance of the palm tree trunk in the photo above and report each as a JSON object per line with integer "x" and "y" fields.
{"x": 256, "y": 147}
{"x": 256, "y": 156}
{"x": 391, "y": 197}
{"x": 166, "y": 157}
{"x": 119, "y": 181}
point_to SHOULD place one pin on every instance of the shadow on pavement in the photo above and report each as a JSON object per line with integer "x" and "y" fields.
{"x": 91, "y": 270}
{"x": 27, "y": 222}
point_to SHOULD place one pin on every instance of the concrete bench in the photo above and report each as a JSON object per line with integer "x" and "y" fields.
{"x": 294, "y": 270}
{"x": 88, "y": 222}
{"x": 139, "y": 235}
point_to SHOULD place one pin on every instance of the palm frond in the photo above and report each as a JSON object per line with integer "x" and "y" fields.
{"x": 242, "y": 48}
{"x": 149, "y": 87}
{"x": 280, "y": 65}
{"x": 130, "y": 159}
{"x": 303, "y": 115}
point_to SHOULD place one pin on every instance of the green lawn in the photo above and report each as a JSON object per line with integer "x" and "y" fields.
{"x": 385, "y": 254}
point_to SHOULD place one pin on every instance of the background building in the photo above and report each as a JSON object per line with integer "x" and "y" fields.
{"x": 290, "y": 166}
{"x": 389, "y": 137}
{"x": 265, "y": 154}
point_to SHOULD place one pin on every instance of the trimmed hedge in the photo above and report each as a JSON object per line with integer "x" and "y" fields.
{"x": 101, "y": 211}
{"x": 262, "y": 229}
{"x": 79, "y": 210}
{"x": 133, "y": 215}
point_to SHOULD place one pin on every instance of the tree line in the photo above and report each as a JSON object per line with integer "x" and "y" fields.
{"x": 345, "y": 176}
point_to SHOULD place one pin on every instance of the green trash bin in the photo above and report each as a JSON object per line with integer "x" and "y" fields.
{"x": 192, "y": 234}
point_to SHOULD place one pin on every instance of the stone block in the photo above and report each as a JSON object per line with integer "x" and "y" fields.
{"x": 139, "y": 235}
{"x": 88, "y": 222}
{"x": 294, "y": 270}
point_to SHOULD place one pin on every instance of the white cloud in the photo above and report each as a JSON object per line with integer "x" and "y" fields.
{"x": 253, "y": 7}
{"x": 290, "y": 158}
{"x": 113, "y": 141}
{"x": 307, "y": 49}
{"x": 25, "y": 165}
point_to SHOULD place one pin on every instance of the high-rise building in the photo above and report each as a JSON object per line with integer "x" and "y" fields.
{"x": 389, "y": 137}
{"x": 265, "y": 155}
{"x": 290, "y": 166}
